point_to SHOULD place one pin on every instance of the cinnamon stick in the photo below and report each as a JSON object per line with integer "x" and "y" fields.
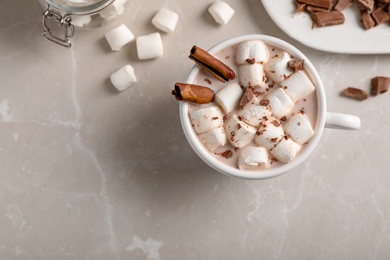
{"x": 213, "y": 65}
{"x": 193, "y": 93}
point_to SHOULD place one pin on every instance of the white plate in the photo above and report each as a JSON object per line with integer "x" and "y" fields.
{"x": 349, "y": 37}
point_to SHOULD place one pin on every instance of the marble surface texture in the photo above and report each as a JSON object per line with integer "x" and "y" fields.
{"x": 90, "y": 173}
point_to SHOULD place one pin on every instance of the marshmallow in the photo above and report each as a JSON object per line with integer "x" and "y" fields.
{"x": 119, "y": 37}
{"x": 238, "y": 132}
{"x": 298, "y": 86}
{"x": 281, "y": 104}
{"x": 250, "y": 157}
{"x": 229, "y": 97}
{"x": 285, "y": 150}
{"x": 205, "y": 119}
{"x": 277, "y": 69}
{"x": 123, "y": 78}
{"x": 299, "y": 128}
{"x": 114, "y": 10}
{"x": 252, "y": 75}
{"x": 165, "y": 20}
{"x": 253, "y": 113}
{"x": 221, "y": 12}
{"x": 269, "y": 134}
{"x": 149, "y": 46}
{"x": 251, "y": 52}
{"x": 213, "y": 138}
{"x": 81, "y": 20}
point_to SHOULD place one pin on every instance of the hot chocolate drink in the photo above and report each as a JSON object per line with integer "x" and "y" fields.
{"x": 264, "y": 116}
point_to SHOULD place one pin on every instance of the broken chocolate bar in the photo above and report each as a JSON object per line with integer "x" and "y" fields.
{"x": 327, "y": 4}
{"x": 366, "y": 4}
{"x": 328, "y": 18}
{"x": 356, "y": 93}
{"x": 379, "y": 85}
{"x": 247, "y": 97}
{"x": 380, "y": 16}
{"x": 296, "y": 65}
{"x": 367, "y": 20}
{"x": 342, "y": 4}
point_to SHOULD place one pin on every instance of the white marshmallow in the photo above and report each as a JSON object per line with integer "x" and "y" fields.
{"x": 298, "y": 86}
{"x": 221, "y": 12}
{"x": 285, "y": 150}
{"x": 252, "y": 50}
{"x": 238, "y": 132}
{"x": 119, "y": 37}
{"x": 250, "y": 157}
{"x": 114, "y": 10}
{"x": 149, "y": 46}
{"x": 281, "y": 104}
{"x": 81, "y": 20}
{"x": 253, "y": 113}
{"x": 123, "y": 78}
{"x": 205, "y": 119}
{"x": 213, "y": 138}
{"x": 252, "y": 75}
{"x": 299, "y": 128}
{"x": 165, "y": 20}
{"x": 277, "y": 68}
{"x": 229, "y": 97}
{"x": 269, "y": 134}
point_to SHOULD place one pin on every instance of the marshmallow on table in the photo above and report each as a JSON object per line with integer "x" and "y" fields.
{"x": 149, "y": 46}
{"x": 165, "y": 20}
{"x": 205, "y": 119}
{"x": 119, "y": 37}
{"x": 229, "y": 97}
{"x": 286, "y": 150}
{"x": 277, "y": 69}
{"x": 238, "y": 132}
{"x": 281, "y": 104}
{"x": 269, "y": 133}
{"x": 251, "y": 52}
{"x": 123, "y": 78}
{"x": 253, "y": 113}
{"x": 299, "y": 128}
{"x": 298, "y": 86}
{"x": 252, "y": 75}
{"x": 250, "y": 157}
{"x": 221, "y": 12}
{"x": 213, "y": 138}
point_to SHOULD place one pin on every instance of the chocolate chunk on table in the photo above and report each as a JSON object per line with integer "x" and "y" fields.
{"x": 379, "y": 85}
{"x": 328, "y": 18}
{"x": 356, "y": 93}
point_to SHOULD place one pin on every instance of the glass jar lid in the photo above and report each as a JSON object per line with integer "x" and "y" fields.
{"x": 79, "y": 7}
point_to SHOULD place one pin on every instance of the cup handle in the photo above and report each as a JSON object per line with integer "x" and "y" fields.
{"x": 342, "y": 121}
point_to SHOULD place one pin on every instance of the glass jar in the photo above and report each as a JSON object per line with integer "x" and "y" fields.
{"x": 61, "y": 17}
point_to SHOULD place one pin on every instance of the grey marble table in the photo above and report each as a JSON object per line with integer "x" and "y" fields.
{"x": 87, "y": 172}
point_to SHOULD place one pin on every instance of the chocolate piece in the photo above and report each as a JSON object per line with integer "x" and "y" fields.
{"x": 366, "y": 4}
{"x": 296, "y": 65}
{"x": 380, "y": 16}
{"x": 247, "y": 97}
{"x": 367, "y": 20}
{"x": 342, "y": 4}
{"x": 327, "y": 4}
{"x": 227, "y": 154}
{"x": 379, "y": 85}
{"x": 264, "y": 102}
{"x": 328, "y": 18}
{"x": 213, "y": 65}
{"x": 300, "y": 7}
{"x": 356, "y": 93}
{"x": 193, "y": 93}
{"x": 313, "y": 9}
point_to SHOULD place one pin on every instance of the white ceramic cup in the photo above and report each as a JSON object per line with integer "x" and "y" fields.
{"x": 324, "y": 118}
